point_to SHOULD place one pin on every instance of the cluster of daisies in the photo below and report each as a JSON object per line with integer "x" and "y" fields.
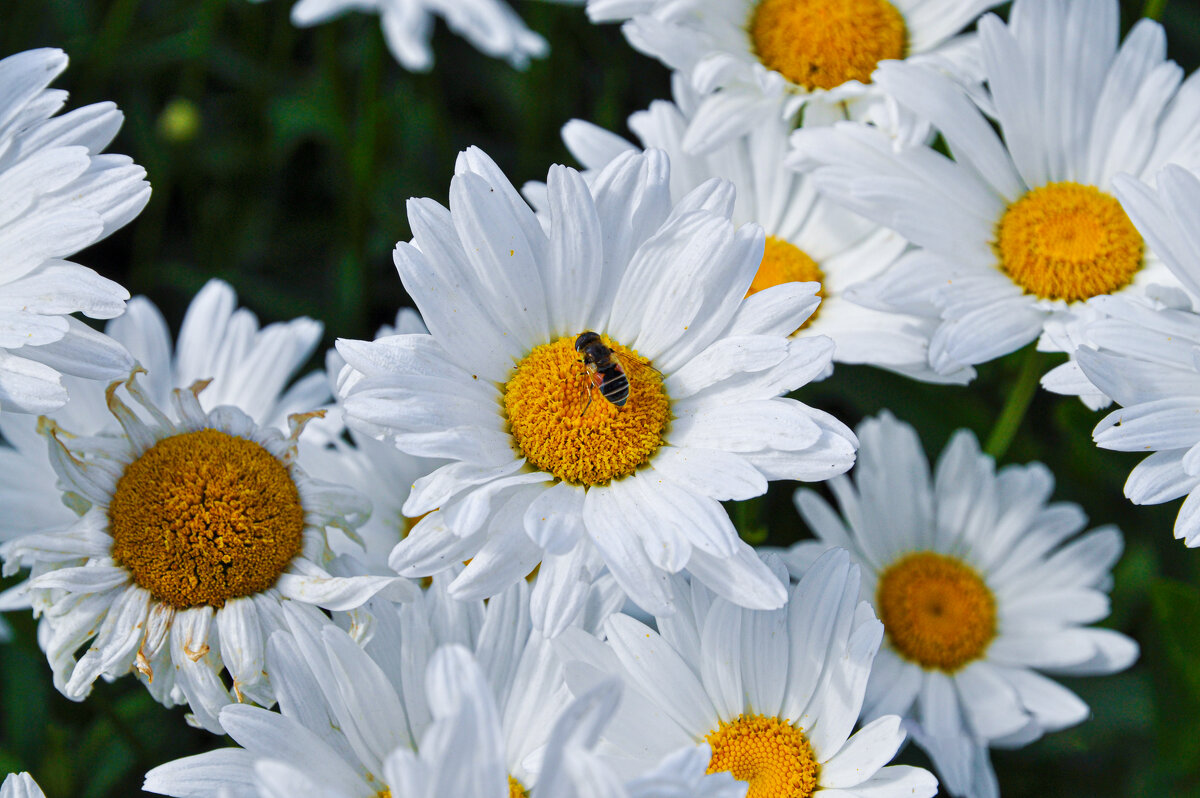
{"x": 483, "y": 556}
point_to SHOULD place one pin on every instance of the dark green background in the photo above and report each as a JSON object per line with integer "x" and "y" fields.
{"x": 293, "y": 189}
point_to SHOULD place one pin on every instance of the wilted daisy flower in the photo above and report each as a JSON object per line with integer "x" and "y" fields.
{"x": 809, "y": 238}
{"x": 775, "y": 693}
{"x": 20, "y": 785}
{"x": 187, "y": 527}
{"x": 1015, "y": 231}
{"x": 1144, "y": 355}
{"x": 346, "y": 727}
{"x": 980, "y": 589}
{"x": 491, "y": 25}
{"x": 628, "y": 455}
{"x": 60, "y": 195}
{"x": 756, "y": 59}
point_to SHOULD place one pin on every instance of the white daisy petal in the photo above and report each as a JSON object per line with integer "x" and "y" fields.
{"x": 84, "y": 579}
{"x": 203, "y": 774}
{"x": 370, "y": 707}
{"x": 891, "y": 782}
{"x": 507, "y": 557}
{"x": 764, "y": 659}
{"x": 835, "y": 705}
{"x": 1056, "y": 706}
{"x": 606, "y": 527}
{"x": 877, "y": 743}
{"x": 561, "y": 590}
{"x": 993, "y": 709}
{"x": 332, "y": 593}
{"x": 277, "y": 780}
{"x": 722, "y": 678}
{"x": 431, "y": 547}
{"x": 829, "y": 586}
{"x": 719, "y": 475}
{"x": 554, "y": 519}
{"x": 242, "y": 640}
{"x": 742, "y": 578}
{"x": 655, "y": 669}
{"x": 501, "y": 256}
{"x": 259, "y": 731}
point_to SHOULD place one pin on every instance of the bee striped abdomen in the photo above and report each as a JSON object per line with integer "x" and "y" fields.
{"x": 614, "y": 385}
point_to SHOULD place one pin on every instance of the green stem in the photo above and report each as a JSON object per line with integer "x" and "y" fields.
{"x": 1154, "y": 9}
{"x": 747, "y": 519}
{"x": 1016, "y": 405}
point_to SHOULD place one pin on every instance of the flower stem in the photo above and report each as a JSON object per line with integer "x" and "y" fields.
{"x": 1154, "y": 9}
{"x": 1016, "y": 405}
{"x": 747, "y": 519}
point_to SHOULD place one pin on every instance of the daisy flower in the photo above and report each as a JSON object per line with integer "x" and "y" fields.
{"x": 187, "y": 527}
{"x": 809, "y": 238}
{"x": 490, "y": 25}
{"x": 20, "y": 785}
{"x": 775, "y": 693}
{"x": 1144, "y": 355}
{"x": 353, "y": 725}
{"x": 980, "y": 588}
{"x": 752, "y": 60}
{"x": 60, "y": 195}
{"x": 556, "y": 461}
{"x": 1017, "y": 231}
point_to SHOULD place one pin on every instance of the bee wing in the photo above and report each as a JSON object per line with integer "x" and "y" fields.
{"x": 632, "y": 366}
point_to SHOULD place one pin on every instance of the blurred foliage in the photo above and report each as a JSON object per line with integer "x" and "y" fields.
{"x": 281, "y": 160}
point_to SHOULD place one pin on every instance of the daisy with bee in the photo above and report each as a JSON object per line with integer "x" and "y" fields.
{"x": 505, "y": 385}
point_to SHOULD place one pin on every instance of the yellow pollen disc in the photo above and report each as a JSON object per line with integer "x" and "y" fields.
{"x": 515, "y": 790}
{"x": 784, "y": 262}
{"x": 204, "y": 517}
{"x": 820, "y": 44}
{"x": 546, "y": 399}
{"x": 1068, "y": 241}
{"x": 936, "y": 610}
{"x": 770, "y": 754}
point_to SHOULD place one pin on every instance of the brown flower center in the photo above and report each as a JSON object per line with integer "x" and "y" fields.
{"x": 203, "y": 517}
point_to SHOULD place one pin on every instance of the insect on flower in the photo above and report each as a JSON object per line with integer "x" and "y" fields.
{"x": 607, "y": 372}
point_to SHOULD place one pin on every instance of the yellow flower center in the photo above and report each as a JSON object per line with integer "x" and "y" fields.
{"x": 936, "y": 610}
{"x": 1068, "y": 241}
{"x": 820, "y": 44}
{"x": 784, "y": 262}
{"x": 563, "y": 425}
{"x": 204, "y": 517}
{"x": 770, "y": 754}
{"x": 515, "y": 790}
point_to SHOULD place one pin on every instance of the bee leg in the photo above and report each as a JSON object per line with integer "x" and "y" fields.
{"x": 589, "y": 401}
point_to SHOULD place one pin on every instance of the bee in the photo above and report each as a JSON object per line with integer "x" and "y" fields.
{"x": 605, "y": 369}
